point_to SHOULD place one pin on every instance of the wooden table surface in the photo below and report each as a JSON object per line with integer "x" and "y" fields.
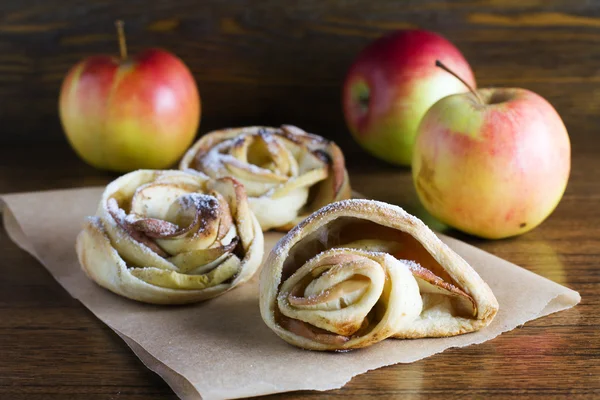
{"x": 51, "y": 347}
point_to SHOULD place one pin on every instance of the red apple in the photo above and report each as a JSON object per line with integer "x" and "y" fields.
{"x": 493, "y": 163}
{"x": 130, "y": 113}
{"x": 390, "y": 86}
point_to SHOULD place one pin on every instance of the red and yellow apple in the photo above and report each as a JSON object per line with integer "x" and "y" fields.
{"x": 390, "y": 86}
{"x": 493, "y": 163}
{"x": 129, "y": 113}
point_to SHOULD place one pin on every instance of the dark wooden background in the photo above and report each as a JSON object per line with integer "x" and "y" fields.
{"x": 272, "y": 62}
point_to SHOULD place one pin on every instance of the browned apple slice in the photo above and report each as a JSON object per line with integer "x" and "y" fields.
{"x": 226, "y": 221}
{"x": 203, "y": 213}
{"x": 154, "y": 228}
{"x": 431, "y": 283}
{"x": 194, "y": 259}
{"x": 234, "y": 194}
{"x": 351, "y": 288}
{"x": 312, "y": 332}
{"x": 427, "y": 280}
{"x": 121, "y": 219}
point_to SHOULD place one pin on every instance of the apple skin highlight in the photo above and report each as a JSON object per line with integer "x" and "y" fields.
{"x": 390, "y": 86}
{"x": 121, "y": 115}
{"x": 493, "y": 170}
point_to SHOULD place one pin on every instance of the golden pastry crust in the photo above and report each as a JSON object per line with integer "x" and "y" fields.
{"x": 287, "y": 172}
{"x": 170, "y": 237}
{"x": 321, "y": 286}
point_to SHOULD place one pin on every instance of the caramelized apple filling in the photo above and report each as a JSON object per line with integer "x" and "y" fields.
{"x": 287, "y": 172}
{"x": 336, "y": 281}
{"x": 186, "y": 222}
{"x": 171, "y": 237}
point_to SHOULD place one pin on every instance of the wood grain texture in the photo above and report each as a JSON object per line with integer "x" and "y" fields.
{"x": 273, "y": 62}
{"x": 278, "y": 62}
{"x": 51, "y": 347}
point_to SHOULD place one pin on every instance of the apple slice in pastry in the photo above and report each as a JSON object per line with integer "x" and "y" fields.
{"x": 287, "y": 173}
{"x": 170, "y": 237}
{"x": 359, "y": 271}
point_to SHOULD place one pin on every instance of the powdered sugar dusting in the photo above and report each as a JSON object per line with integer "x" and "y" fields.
{"x": 118, "y": 214}
{"x": 212, "y": 160}
{"x": 155, "y": 228}
{"x": 198, "y": 201}
{"x": 270, "y": 139}
{"x": 297, "y": 134}
{"x": 132, "y": 218}
{"x": 357, "y": 208}
{"x": 413, "y": 265}
{"x": 252, "y": 168}
{"x": 216, "y": 159}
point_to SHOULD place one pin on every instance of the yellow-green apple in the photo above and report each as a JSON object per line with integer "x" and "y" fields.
{"x": 493, "y": 162}
{"x": 129, "y": 113}
{"x": 390, "y": 86}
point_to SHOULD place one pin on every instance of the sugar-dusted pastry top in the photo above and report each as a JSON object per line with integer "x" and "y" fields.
{"x": 171, "y": 237}
{"x": 287, "y": 172}
{"x": 359, "y": 271}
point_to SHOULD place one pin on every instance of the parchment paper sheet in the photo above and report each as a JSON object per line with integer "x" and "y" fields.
{"x": 221, "y": 348}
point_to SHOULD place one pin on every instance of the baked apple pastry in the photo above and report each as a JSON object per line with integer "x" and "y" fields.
{"x": 287, "y": 172}
{"x": 170, "y": 237}
{"x": 359, "y": 271}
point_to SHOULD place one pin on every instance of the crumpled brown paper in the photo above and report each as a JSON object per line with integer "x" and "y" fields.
{"x": 221, "y": 348}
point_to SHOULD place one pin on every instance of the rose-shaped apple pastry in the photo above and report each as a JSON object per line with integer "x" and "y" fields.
{"x": 359, "y": 271}
{"x": 287, "y": 172}
{"x": 170, "y": 237}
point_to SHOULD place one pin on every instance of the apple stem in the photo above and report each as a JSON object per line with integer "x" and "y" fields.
{"x": 439, "y": 64}
{"x": 122, "y": 44}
